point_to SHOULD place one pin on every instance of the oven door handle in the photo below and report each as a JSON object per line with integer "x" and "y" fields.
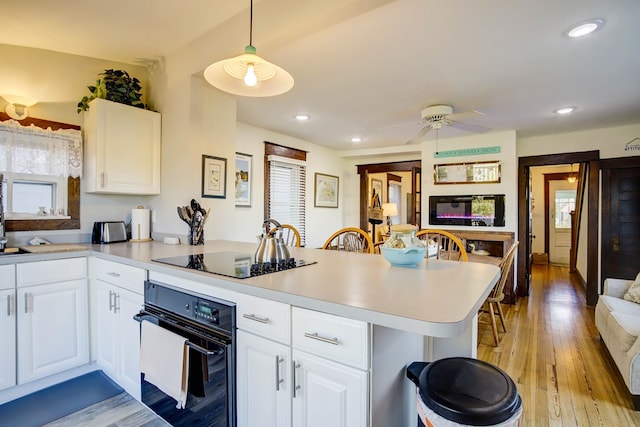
{"x": 143, "y": 315}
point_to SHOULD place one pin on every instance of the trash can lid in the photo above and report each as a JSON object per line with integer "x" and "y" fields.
{"x": 468, "y": 391}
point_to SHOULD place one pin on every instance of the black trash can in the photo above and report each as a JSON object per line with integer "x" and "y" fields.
{"x": 464, "y": 391}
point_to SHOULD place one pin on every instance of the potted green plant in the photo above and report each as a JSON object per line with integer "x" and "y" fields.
{"x": 117, "y": 86}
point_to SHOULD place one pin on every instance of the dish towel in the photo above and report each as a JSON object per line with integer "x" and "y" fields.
{"x": 164, "y": 361}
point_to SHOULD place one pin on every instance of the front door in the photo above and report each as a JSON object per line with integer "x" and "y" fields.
{"x": 621, "y": 219}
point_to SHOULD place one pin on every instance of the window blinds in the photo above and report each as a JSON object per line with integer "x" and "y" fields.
{"x": 287, "y": 190}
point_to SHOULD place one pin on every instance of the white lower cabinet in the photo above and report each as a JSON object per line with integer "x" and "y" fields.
{"x": 263, "y": 382}
{"x": 328, "y": 393}
{"x": 319, "y": 376}
{"x": 8, "y": 334}
{"x": 118, "y": 339}
{"x": 116, "y": 344}
{"x": 52, "y": 317}
{"x": 7, "y": 326}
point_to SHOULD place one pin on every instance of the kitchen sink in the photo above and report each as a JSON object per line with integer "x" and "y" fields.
{"x": 12, "y": 251}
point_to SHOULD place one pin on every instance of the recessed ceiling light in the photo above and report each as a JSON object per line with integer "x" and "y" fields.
{"x": 585, "y": 28}
{"x": 302, "y": 117}
{"x": 356, "y": 139}
{"x": 565, "y": 110}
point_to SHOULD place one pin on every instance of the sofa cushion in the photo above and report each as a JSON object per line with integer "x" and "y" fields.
{"x": 633, "y": 294}
{"x": 620, "y": 305}
{"x": 627, "y": 332}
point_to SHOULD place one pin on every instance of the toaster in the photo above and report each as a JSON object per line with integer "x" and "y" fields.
{"x": 109, "y": 232}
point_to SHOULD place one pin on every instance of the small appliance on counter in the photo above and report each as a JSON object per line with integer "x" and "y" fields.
{"x": 109, "y": 232}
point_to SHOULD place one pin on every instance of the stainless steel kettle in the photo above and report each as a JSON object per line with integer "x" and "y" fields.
{"x": 271, "y": 247}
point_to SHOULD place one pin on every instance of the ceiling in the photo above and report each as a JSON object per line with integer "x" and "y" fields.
{"x": 363, "y": 66}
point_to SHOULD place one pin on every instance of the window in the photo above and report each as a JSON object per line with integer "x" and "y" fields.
{"x": 394, "y": 191}
{"x": 565, "y": 201}
{"x": 40, "y": 162}
{"x": 286, "y": 186}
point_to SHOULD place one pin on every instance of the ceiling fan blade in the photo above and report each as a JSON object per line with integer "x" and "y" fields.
{"x": 464, "y": 116}
{"x": 417, "y": 137}
{"x": 399, "y": 125}
{"x": 469, "y": 127}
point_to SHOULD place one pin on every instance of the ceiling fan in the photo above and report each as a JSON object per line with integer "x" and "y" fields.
{"x": 435, "y": 117}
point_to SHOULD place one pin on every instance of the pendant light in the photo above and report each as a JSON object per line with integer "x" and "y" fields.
{"x": 248, "y": 74}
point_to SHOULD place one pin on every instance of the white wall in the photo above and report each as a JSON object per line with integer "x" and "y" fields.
{"x": 507, "y": 185}
{"x": 58, "y": 81}
{"x": 609, "y": 141}
{"x": 320, "y": 222}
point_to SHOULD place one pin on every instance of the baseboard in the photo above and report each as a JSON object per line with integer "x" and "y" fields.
{"x": 580, "y": 278}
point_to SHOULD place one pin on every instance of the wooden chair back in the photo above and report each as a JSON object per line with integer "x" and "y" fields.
{"x": 497, "y": 294}
{"x": 290, "y": 235}
{"x": 450, "y": 247}
{"x": 350, "y": 239}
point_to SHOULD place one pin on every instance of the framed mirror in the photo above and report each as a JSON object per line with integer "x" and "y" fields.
{"x": 467, "y": 173}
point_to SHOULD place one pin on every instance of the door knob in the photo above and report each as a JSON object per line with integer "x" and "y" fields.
{"x": 616, "y": 244}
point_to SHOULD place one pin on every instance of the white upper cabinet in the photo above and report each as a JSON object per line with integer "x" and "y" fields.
{"x": 121, "y": 149}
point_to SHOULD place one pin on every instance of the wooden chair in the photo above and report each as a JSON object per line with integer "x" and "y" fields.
{"x": 290, "y": 235}
{"x": 449, "y": 246}
{"x": 493, "y": 301}
{"x": 350, "y": 239}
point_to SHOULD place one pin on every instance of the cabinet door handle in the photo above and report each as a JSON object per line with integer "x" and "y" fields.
{"x": 9, "y": 305}
{"x": 26, "y": 302}
{"x": 296, "y": 387}
{"x": 113, "y": 274}
{"x": 279, "y": 380}
{"x": 111, "y": 301}
{"x": 315, "y": 336}
{"x": 102, "y": 179}
{"x": 256, "y": 318}
{"x": 116, "y": 302}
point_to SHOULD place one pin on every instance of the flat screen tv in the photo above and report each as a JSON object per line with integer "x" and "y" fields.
{"x": 485, "y": 210}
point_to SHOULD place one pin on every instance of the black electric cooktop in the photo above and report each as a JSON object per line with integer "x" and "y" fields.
{"x": 231, "y": 264}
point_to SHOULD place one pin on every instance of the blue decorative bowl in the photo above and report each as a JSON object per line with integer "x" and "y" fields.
{"x": 405, "y": 257}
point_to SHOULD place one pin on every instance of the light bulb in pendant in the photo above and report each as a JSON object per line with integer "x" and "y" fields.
{"x": 250, "y": 78}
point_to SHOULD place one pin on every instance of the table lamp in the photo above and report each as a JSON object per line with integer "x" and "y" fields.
{"x": 389, "y": 210}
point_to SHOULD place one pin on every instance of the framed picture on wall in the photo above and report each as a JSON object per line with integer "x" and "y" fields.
{"x": 376, "y": 188}
{"x": 214, "y": 177}
{"x": 243, "y": 179}
{"x": 326, "y": 191}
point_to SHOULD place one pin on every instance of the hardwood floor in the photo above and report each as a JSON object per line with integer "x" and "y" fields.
{"x": 553, "y": 352}
{"x": 121, "y": 410}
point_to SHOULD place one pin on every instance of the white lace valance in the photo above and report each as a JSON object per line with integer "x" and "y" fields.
{"x": 37, "y": 151}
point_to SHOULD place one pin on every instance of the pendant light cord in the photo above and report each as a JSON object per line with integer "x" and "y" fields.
{"x": 251, "y": 24}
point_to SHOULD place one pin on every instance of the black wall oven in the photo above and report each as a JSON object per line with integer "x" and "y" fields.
{"x": 209, "y": 326}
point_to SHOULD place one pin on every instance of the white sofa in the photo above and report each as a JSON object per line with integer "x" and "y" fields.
{"x": 618, "y": 322}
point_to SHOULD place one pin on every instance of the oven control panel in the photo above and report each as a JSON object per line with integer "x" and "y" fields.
{"x": 205, "y": 312}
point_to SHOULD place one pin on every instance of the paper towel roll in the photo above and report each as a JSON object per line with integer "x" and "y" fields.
{"x": 140, "y": 224}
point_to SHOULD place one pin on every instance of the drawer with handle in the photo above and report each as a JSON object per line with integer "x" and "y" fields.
{"x": 52, "y": 271}
{"x": 332, "y": 337}
{"x": 124, "y": 276}
{"x": 7, "y": 276}
{"x": 269, "y": 319}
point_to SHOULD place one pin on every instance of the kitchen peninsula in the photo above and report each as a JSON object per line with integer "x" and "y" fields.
{"x": 348, "y": 317}
{"x": 437, "y": 298}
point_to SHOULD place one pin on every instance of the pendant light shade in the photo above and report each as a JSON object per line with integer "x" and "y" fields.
{"x": 248, "y": 74}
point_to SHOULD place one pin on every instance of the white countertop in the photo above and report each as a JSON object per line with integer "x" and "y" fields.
{"x": 436, "y": 298}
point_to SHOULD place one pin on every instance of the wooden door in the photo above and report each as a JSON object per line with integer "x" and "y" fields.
{"x": 562, "y": 196}
{"x": 416, "y": 197}
{"x": 621, "y": 218}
